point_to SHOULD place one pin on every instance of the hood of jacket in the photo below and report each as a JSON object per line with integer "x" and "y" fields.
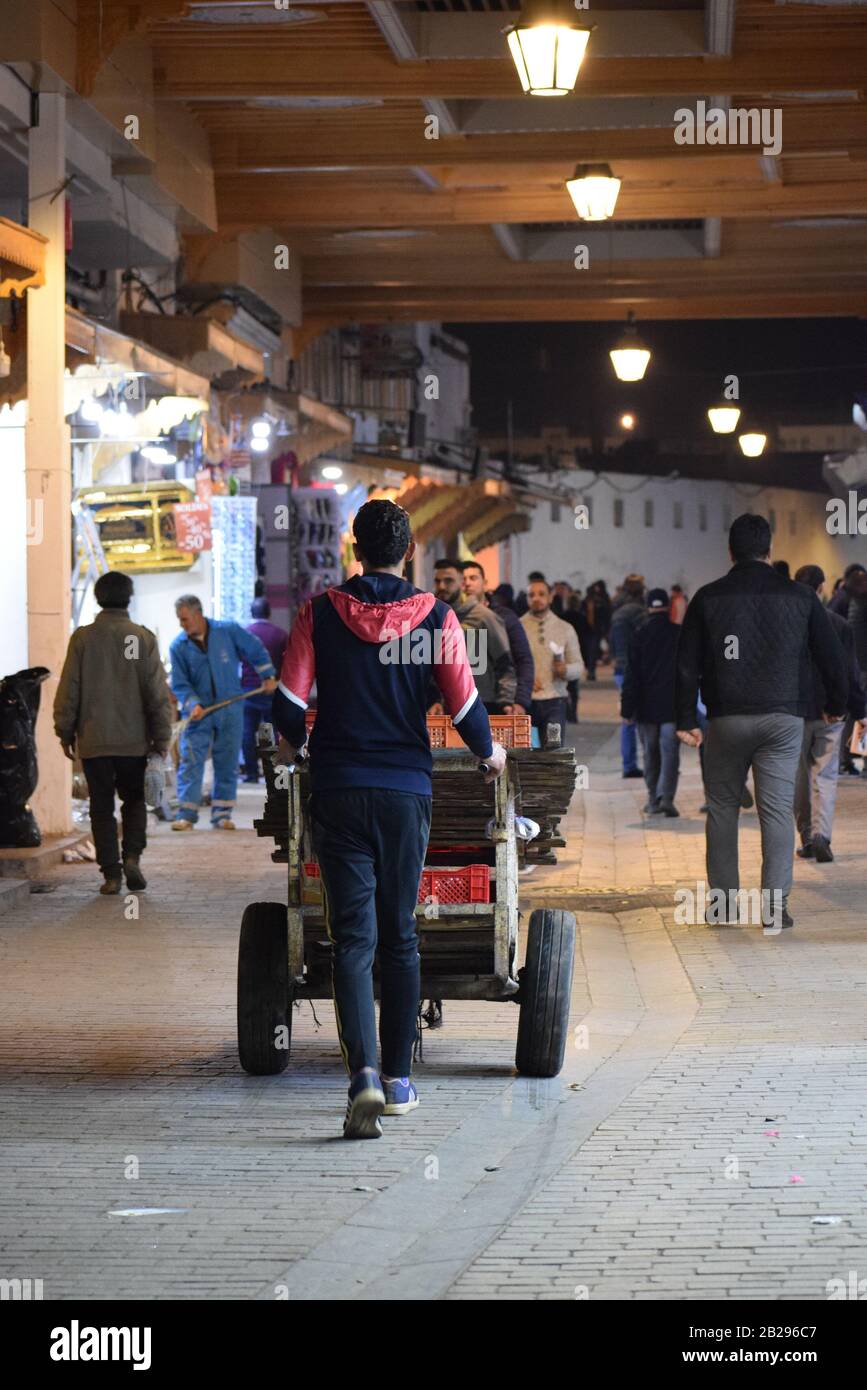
{"x": 380, "y": 607}
{"x": 467, "y": 607}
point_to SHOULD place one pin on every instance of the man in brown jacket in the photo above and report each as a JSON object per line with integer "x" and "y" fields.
{"x": 112, "y": 709}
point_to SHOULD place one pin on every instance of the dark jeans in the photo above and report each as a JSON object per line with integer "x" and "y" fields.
{"x": 589, "y": 644}
{"x": 545, "y": 712}
{"x": 126, "y": 777}
{"x": 256, "y": 711}
{"x": 661, "y": 748}
{"x": 628, "y": 736}
{"x": 371, "y": 843}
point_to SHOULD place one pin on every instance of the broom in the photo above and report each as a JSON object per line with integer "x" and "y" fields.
{"x": 221, "y": 704}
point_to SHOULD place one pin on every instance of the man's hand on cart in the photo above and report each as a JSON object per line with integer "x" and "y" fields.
{"x": 495, "y": 765}
{"x": 286, "y": 755}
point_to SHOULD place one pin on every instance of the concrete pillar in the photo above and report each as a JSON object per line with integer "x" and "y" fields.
{"x": 48, "y": 468}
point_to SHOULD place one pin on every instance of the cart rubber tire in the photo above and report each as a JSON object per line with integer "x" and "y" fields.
{"x": 546, "y": 988}
{"x": 264, "y": 1002}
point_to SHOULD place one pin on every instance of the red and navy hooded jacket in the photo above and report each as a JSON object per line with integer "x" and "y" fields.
{"x": 371, "y": 646}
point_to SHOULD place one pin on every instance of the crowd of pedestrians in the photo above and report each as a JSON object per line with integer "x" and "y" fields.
{"x": 756, "y": 672}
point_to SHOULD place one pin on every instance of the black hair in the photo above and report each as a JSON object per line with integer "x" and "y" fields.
{"x": 749, "y": 538}
{"x": 854, "y": 568}
{"x": 449, "y": 565}
{"x": 113, "y": 590}
{"x": 535, "y": 577}
{"x": 782, "y": 567}
{"x": 473, "y": 565}
{"x": 811, "y": 575}
{"x": 260, "y": 608}
{"x": 382, "y": 533}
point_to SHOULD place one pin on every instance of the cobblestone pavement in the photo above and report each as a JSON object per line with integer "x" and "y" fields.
{"x": 711, "y": 1106}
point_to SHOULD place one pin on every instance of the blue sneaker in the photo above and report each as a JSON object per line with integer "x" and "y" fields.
{"x": 364, "y": 1107}
{"x": 400, "y": 1096}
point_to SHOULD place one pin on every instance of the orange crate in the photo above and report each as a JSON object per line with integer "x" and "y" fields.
{"x": 471, "y": 884}
{"x": 511, "y": 730}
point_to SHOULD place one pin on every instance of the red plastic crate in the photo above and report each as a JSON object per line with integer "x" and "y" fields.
{"x": 471, "y": 884}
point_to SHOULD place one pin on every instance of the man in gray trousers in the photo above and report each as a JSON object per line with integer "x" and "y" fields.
{"x": 747, "y": 642}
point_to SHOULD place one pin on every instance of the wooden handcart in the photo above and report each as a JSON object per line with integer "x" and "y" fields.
{"x": 469, "y": 950}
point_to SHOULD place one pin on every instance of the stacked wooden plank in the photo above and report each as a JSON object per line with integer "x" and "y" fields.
{"x": 463, "y": 804}
{"x": 546, "y": 783}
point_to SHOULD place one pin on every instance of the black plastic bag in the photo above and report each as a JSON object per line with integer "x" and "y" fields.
{"x": 19, "y": 706}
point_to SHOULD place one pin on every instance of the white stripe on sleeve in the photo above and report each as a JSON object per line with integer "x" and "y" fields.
{"x": 456, "y": 718}
{"x": 296, "y": 700}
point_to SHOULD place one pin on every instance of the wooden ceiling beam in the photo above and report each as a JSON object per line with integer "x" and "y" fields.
{"x": 223, "y": 70}
{"x": 502, "y": 307}
{"x": 367, "y": 145}
{"x": 247, "y": 201}
{"x": 478, "y": 270}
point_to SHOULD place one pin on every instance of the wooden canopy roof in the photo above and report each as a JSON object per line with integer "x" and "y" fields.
{"x": 319, "y": 117}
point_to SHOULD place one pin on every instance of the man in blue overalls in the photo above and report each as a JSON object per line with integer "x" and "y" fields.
{"x": 205, "y": 660}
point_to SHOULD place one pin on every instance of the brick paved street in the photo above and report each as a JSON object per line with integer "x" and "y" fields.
{"x": 711, "y": 1107}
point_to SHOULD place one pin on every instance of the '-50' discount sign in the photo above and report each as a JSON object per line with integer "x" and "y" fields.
{"x": 193, "y": 525}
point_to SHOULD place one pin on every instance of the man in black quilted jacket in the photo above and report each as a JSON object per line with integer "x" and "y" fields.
{"x": 748, "y": 642}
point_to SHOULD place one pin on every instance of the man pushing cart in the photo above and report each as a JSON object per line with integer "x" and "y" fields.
{"x": 370, "y": 803}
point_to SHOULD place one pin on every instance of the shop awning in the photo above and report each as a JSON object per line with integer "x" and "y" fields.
{"x": 88, "y": 341}
{"x": 204, "y": 345}
{"x": 22, "y": 258}
{"x": 93, "y": 349}
{"x": 309, "y": 426}
{"x": 484, "y": 511}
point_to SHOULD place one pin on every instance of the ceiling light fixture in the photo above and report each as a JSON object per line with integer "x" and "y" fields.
{"x": 724, "y": 418}
{"x": 752, "y": 444}
{"x": 629, "y": 356}
{"x": 548, "y": 47}
{"x": 594, "y": 191}
{"x": 332, "y": 471}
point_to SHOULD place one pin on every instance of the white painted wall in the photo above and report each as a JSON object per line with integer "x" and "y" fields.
{"x": 663, "y": 553}
{"x": 448, "y": 415}
{"x": 13, "y": 542}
